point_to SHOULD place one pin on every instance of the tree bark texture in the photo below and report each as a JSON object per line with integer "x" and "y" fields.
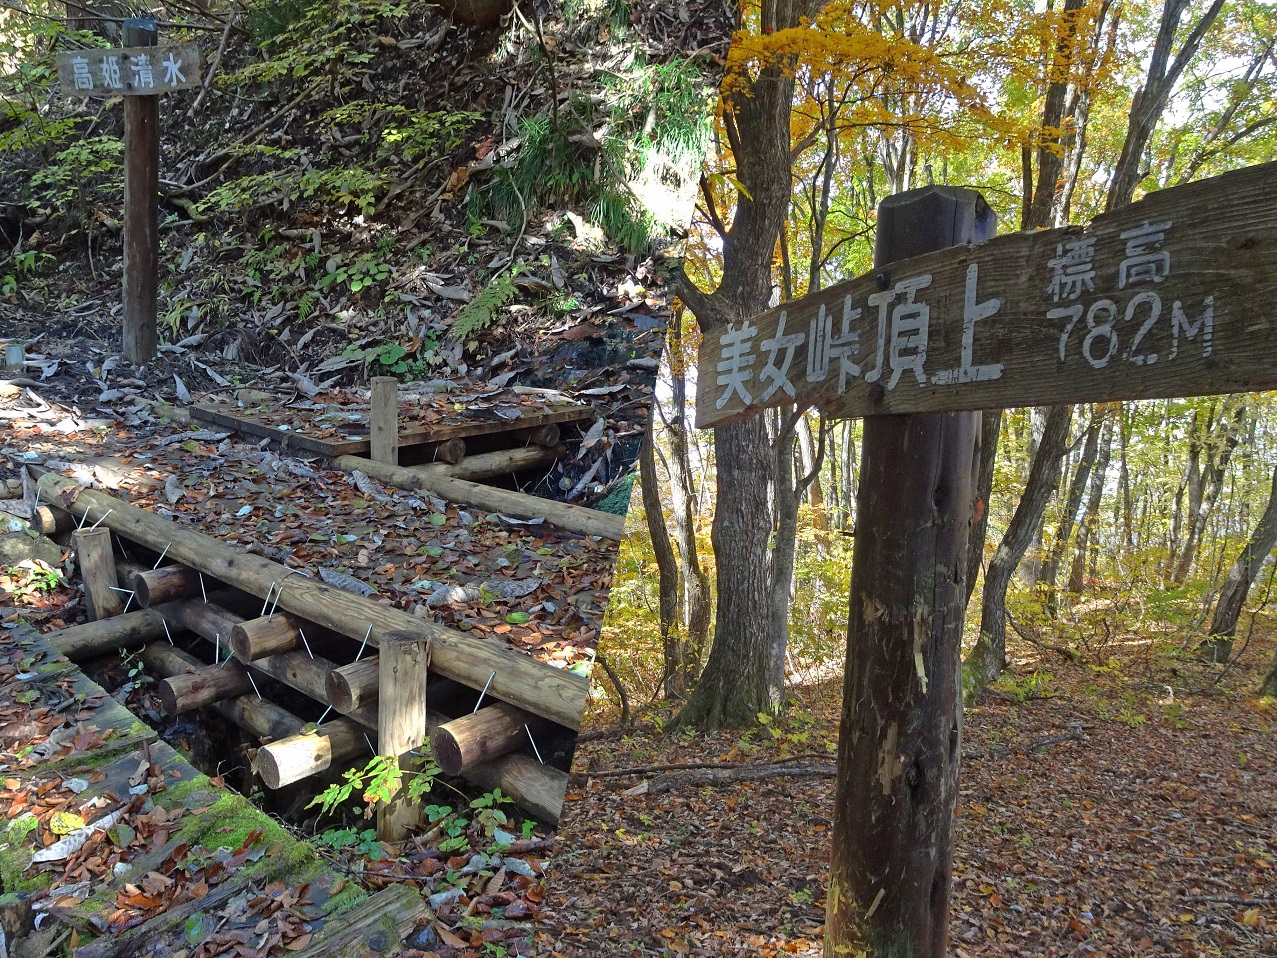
{"x": 1241, "y": 576}
{"x": 990, "y": 431}
{"x": 900, "y": 736}
{"x": 734, "y": 687}
{"x": 1072, "y": 502}
{"x": 1086, "y": 525}
{"x": 666, "y": 565}
{"x": 988, "y": 657}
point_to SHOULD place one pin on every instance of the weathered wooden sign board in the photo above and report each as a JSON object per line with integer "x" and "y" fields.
{"x": 1173, "y": 296}
{"x": 129, "y": 71}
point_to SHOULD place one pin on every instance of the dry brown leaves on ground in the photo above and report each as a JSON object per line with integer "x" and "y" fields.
{"x": 1109, "y": 817}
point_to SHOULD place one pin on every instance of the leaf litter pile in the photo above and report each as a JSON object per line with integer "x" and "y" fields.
{"x": 540, "y": 589}
{"x": 1129, "y": 809}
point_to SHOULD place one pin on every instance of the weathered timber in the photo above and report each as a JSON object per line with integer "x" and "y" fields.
{"x": 535, "y": 787}
{"x": 267, "y": 635}
{"x": 377, "y": 927}
{"x": 589, "y": 522}
{"x": 401, "y": 727}
{"x": 1170, "y": 296}
{"x": 203, "y": 686}
{"x": 297, "y": 670}
{"x": 49, "y": 521}
{"x": 448, "y": 452}
{"x": 81, "y": 643}
{"x": 383, "y": 420}
{"x": 541, "y": 689}
{"x": 141, "y": 209}
{"x": 500, "y": 462}
{"x": 409, "y": 434}
{"x": 256, "y": 715}
{"x": 547, "y": 435}
{"x": 354, "y": 686}
{"x": 303, "y": 754}
{"x": 489, "y": 733}
{"x": 97, "y": 568}
{"x": 86, "y": 77}
{"x": 152, "y": 586}
{"x": 899, "y": 738}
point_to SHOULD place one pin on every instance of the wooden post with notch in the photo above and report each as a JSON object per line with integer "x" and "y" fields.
{"x": 97, "y": 568}
{"x": 141, "y": 207}
{"x": 898, "y": 746}
{"x": 401, "y": 720}
{"x": 383, "y": 420}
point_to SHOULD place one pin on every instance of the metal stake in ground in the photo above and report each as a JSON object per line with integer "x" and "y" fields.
{"x": 141, "y": 207}
{"x": 898, "y": 744}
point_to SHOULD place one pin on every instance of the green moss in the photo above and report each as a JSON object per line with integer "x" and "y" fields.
{"x": 15, "y": 856}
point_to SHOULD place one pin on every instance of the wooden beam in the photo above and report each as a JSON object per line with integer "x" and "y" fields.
{"x": 354, "y": 686}
{"x": 587, "y": 522}
{"x": 141, "y": 209}
{"x": 152, "y": 586}
{"x": 258, "y": 716}
{"x": 97, "y": 568}
{"x": 384, "y": 420}
{"x": 267, "y": 635}
{"x": 49, "y": 521}
{"x": 401, "y": 711}
{"x": 499, "y": 462}
{"x": 304, "y": 754}
{"x": 489, "y": 733}
{"x": 386, "y": 917}
{"x": 297, "y": 670}
{"x": 553, "y": 693}
{"x": 189, "y": 691}
{"x": 81, "y": 643}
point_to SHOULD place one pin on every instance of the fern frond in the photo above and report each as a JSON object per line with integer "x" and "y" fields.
{"x": 481, "y": 311}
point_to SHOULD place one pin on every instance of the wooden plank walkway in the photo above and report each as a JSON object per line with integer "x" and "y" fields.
{"x": 169, "y": 861}
{"x": 342, "y": 431}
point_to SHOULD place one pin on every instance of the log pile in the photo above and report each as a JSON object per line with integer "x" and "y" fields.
{"x": 210, "y": 590}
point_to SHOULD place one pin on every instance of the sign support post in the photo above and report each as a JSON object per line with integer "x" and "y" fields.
{"x": 141, "y": 208}
{"x": 899, "y": 738}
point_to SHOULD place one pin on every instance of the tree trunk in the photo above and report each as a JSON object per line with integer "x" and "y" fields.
{"x": 666, "y": 565}
{"x": 1241, "y": 576}
{"x": 784, "y": 546}
{"x": 1205, "y": 484}
{"x": 990, "y": 432}
{"x": 988, "y": 657}
{"x": 815, "y": 491}
{"x": 1086, "y": 525}
{"x": 735, "y": 687}
{"x": 698, "y": 599}
{"x": 1072, "y": 502}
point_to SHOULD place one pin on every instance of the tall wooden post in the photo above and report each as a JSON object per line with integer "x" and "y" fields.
{"x": 383, "y": 420}
{"x": 141, "y": 208}
{"x": 899, "y": 741}
{"x": 401, "y": 719}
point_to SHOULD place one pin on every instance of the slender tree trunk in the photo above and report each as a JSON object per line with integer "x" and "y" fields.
{"x": 666, "y": 565}
{"x": 784, "y": 548}
{"x": 1086, "y": 526}
{"x": 1241, "y": 576}
{"x": 988, "y": 657}
{"x": 990, "y": 431}
{"x": 698, "y": 600}
{"x": 1205, "y": 485}
{"x": 1072, "y": 502}
{"x": 815, "y": 491}
{"x": 1124, "y": 482}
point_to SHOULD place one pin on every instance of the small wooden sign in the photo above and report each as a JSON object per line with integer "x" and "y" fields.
{"x": 1173, "y": 296}
{"x": 129, "y": 71}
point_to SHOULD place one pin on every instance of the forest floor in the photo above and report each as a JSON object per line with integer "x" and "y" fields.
{"x": 1099, "y": 815}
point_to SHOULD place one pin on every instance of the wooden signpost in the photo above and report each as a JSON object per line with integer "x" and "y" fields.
{"x": 1173, "y": 296}
{"x": 139, "y": 72}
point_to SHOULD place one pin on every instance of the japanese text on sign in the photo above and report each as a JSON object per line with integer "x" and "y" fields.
{"x": 1136, "y": 305}
{"x": 129, "y": 71}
